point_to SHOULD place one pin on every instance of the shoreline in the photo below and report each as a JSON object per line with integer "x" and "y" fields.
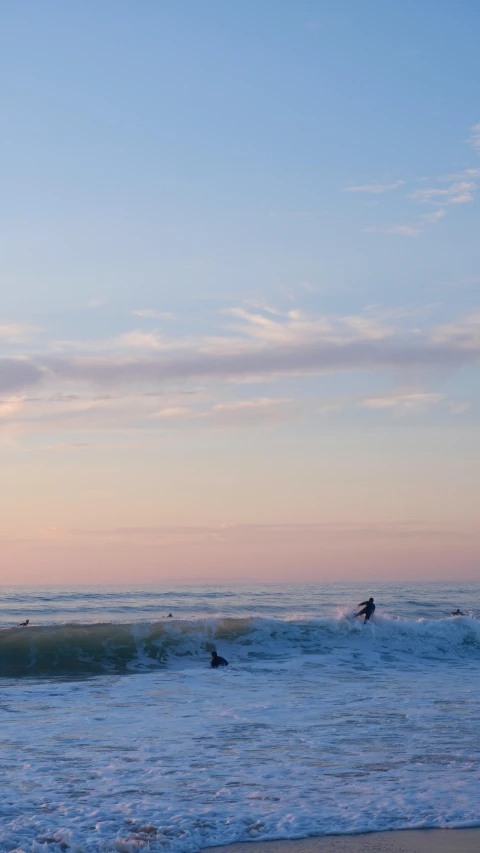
{"x": 451, "y": 840}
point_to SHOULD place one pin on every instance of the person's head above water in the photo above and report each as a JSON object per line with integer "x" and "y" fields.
{"x": 217, "y": 660}
{"x": 370, "y": 599}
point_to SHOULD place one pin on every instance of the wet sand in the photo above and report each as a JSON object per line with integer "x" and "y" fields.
{"x": 397, "y": 841}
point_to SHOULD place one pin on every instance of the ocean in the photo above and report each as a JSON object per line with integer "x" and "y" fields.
{"x": 117, "y": 735}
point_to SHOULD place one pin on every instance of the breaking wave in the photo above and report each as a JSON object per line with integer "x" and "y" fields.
{"x": 74, "y": 650}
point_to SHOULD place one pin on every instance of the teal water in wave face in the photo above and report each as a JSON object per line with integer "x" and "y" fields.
{"x": 115, "y": 733}
{"x": 72, "y": 651}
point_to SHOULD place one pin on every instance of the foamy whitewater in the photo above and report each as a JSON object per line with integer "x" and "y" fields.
{"x": 116, "y": 734}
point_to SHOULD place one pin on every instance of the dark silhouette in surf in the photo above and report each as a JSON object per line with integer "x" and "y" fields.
{"x": 24, "y": 624}
{"x": 368, "y": 609}
{"x": 217, "y": 661}
{"x": 457, "y": 612}
{"x": 169, "y": 616}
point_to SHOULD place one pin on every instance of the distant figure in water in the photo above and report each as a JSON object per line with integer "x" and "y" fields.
{"x": 169, "y": 616}
{"x": 217, "y": 661}
{"x": 24, "y": 624}
{"x": 457, "y": 612}
{"x": 367, "y": 611}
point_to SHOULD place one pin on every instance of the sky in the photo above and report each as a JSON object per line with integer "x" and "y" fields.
{"x": 240, "y": 291}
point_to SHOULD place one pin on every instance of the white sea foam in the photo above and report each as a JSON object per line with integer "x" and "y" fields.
{"x": 317, "y": 726}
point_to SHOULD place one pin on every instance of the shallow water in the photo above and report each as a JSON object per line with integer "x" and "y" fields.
{"x": 116, "y": 733}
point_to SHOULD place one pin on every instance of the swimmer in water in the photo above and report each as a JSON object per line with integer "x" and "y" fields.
{"x": 24, "y": 624}
{"x": 169, "y": 616}
{"x": 457, "y": 612}
{"x": 368, "y": 609}
{"x": 217, "y": 661}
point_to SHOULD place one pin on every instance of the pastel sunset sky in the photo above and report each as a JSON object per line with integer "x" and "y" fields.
{"x": 240, "y": 290}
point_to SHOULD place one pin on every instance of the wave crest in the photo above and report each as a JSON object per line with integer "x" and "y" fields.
{"x": 73, "y": 650}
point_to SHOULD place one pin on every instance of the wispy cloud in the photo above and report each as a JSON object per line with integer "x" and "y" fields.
{"x": 11, "y": 407}
{"x": 291, "y": 358}
{"x": 261, "y": 304}
{"x": 234, "y": 413}
{"x": 475, "y": 137}
{"x": 285, "y": 531}
{"x": 460, "y": 189}
{"x": 457, "y": 193}
{"x": 435, "y": 216}
{"x": 17, "y": 332}
{"x": 464, "y": 334}
{"x": 368, "y": 328}
{"x": 174, "y": 413}
{"x": 376, "y": 188}
{"x": 253, "y": 346}
{"x": 18, "y": 373}
{"x": 153, "y": 314}
{"x": 139, "y": 339}
{"x": 241, "y": 413}
{"x": 406, "y": 402}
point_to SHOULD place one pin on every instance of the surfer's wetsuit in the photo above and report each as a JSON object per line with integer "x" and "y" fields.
{"x": 368, "y": 610}
{"x": 217, "y": 661}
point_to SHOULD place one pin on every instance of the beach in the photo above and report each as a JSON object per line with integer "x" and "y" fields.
{"x": 405, "y": 841}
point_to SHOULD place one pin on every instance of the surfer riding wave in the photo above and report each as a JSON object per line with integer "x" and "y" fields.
{"x": 368, "y": 609}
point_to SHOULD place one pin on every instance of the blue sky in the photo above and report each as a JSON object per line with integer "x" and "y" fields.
{"x": 244, "y": 231}
{"x": 203, "y": 148}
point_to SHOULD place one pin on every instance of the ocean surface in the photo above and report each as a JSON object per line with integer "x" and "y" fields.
{"x": 115, "y": 734}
